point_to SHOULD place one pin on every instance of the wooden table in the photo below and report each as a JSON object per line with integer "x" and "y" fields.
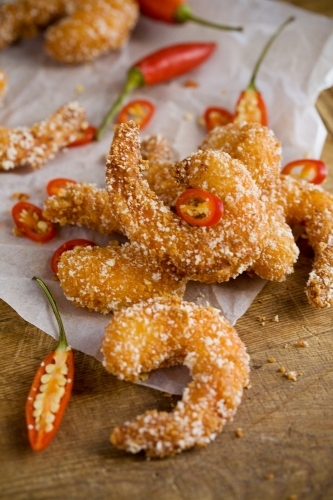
{"x": 286, "y": 451}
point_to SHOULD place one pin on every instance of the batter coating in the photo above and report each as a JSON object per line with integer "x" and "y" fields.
{"x": 94, "y": 28}
{"x": 208, "y": 254}
{"x": 163, "y": 332}
{"x": 107, "y": 279}
{"x": 34, "y": 146}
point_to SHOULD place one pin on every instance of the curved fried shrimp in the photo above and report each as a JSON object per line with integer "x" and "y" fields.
{"x": 158, "y": 174}
{"x": 34, "y": 146}
{"x": 3, "y": 82}
{"x": 254, "y": 145}
{"x": 208, "y": 254}
{"x": 94, "y": 28}
{"x": 260, "y": 151}
{"x": 312, "y": 206}
{"x": 163, "y": 332}
{"x": 107, "y": 279}
{"x": 82, "y": 205}
{"x": 23, "y": 18}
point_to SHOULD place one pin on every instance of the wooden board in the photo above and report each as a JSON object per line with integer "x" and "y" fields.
{"x": 286, "y": 451}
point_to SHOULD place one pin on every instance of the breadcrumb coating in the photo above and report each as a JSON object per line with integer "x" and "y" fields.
{"x": 166, "y": 331}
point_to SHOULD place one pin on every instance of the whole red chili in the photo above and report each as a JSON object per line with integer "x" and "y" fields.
{"x": 250, "y": 106}
{"x": 51, "y": 387}
{"x": 158, "y": 67}
{"x": 177, "y": 11}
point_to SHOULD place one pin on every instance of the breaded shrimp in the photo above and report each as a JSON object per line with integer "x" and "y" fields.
{"x": 162, "y": 332}
{"x": 208, "y": 254}
{"x": 107, "y": 279}
{"x": 34, "y": 146}
{"x": 94, "y": 28}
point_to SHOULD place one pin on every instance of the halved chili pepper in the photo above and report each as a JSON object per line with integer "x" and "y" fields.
{"x": 51, "y": 387}
{"x": 54, "y": 186}
{"x": 177, "y": 11}
{"x": 84, "y": 137}
{"x": 159, "y": 67}
{"x": 314, "y": 171}
{"x": 31, "y": 223}
{"x": 215, "y": 116}
{"x": 141, "y": 111}
{"x": 199, "y": 207}
{"x": 250, "y": 106}
{"x": 68, "y": 245}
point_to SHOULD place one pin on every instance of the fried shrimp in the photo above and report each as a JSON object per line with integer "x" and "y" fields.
{"x": 34, "y": 146}
{"x": 94, "y": 28}
{"x": 163, "y": 332}
{"x": 107, "y": 279}
{"x": 82, "y": 205}
{"x": 207, "y": 254}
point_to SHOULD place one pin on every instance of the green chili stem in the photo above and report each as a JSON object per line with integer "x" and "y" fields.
{"x": 62, "y": 343}
{"x": 265, "y": 50}
{"x": 184, "y": 14}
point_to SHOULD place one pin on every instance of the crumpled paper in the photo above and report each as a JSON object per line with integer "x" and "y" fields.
{"x": 297, "y": 68}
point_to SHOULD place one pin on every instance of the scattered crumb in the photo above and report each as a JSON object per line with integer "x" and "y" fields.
{"x": 144, "y": 376}
{"x": 79, "y": 89}
{"x": 260, "y": 301}
{"x": 21, "y": 196}
{"x": 17, "y": 232}
{"x": 239, "y": 432}
{"x": 276, "y": 318}
{"x": 201, "y": 121}
{"x": 301, "y": 343}
{"x": 292, "y": 375}
{"x": 270, "y": 476}
{"x": 188, "y": 116}
{"x": 292, "y": 497}
{"x": 262, "y": 320}
{"x": 190, "y": 82}
{"x": 271, "y": 360}
{"x": 282, "y": 369}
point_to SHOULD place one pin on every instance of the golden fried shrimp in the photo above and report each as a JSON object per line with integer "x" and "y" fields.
{"x": 3, "y": 82}
{"x": 94, "y": 28}
{"x": 156, "y": 150}
{"x": 34, "y": 146}
{"x": 208, "y": 254}
{"x": 254, "y": 145}
{"x": 82, "y": 205}
{"x": 163, "y": 332}
{"x": 107, "y": 279}
{"x": 310, "y": 205}
{"x": 23, "y": 18}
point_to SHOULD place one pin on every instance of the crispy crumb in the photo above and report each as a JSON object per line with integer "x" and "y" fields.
{"x": 271, "y": 360}
{"x": 301, "y": 343}
{"x": 17, "y": 232}
{"x": 144, "y": 376}
{"x": 282, "y": 369}
{"x": 270, "y": 476}
{"x": 292, "y": 375}
{"x": 188, "y": 116}
{"x": 262, "y": 320}
{"x": 239, "y": 432}
{"x": 201, "y": 121}
{"x": 276, "y": 318}
{"x": 79, "y": 89}
{"x": 21, "y": 196}
{"x": 260, "y": 301}
{"x": 190, "y": 82}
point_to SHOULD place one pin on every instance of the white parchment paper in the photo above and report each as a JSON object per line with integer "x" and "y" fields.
{"x": 298, "y": 66}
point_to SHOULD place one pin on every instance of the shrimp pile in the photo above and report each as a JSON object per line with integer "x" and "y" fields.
{"x": 163, "y": 332}
{"x": 34, "y": 146}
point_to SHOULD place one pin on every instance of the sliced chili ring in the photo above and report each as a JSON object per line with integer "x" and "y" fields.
{"x": 140, "y": 111}
{"x": 217, "y": 117}
{"x": 31, "y": 223}
{"x": 68, "y": 245}
{"x": 314, "y": 171}
{"x": 85, "y": 136}
{"x": 199, "y": 207}
{"x": 54, "y": 186}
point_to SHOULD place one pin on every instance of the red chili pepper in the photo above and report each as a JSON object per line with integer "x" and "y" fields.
{"x": 54, "y": 186}
{"x": 84, "y": 137}
{"x": 177, "y": 11}
{"x": 158, "y": 67}
{"x": 51, "y": 387}
{"x": 68, "y": 245}
{"x": 30, "y": 222}
{"x": 250, "y": 106}
{"x": 199, "y": 208}
{"x": 217, "y": 117}
{"x": 314, "y": 171}
{"x": 141, "y": 111}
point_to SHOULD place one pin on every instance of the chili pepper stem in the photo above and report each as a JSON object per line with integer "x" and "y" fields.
{"x": 266, "y": 48}
{"x": 62, "y": 343}
{"x": 184, "y": 14}
{"x": 134, "y": 80}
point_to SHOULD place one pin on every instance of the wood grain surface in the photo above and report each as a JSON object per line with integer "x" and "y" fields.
{"x": 286, "y": 448}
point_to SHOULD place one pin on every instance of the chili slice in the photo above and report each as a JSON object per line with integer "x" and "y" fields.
{"x": 215, "y": 117}
{"x": 199, "y": 207}
{"x": 84, "y": 137}
{"x": 51, "y": 387}
{"x": 31, "y": 223}
{"x": 141, "y": 111}
{"x": 68, "y": 245}
{"x": 54, "y": 186}
{"x": 314, "y": 171}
